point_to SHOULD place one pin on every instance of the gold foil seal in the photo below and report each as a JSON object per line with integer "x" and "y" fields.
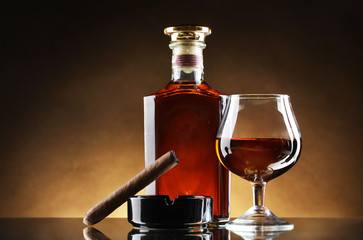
{"x": 187, "y": 33}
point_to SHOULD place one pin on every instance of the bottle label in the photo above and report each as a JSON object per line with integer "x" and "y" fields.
{"x": 187, "y": 60}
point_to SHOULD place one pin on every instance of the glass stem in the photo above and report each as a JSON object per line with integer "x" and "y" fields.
{"x": 258, "y": 189}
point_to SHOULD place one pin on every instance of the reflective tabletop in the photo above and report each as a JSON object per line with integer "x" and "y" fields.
{"x": 119, "y": 228}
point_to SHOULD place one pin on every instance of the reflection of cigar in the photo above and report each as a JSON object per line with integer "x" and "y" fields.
{"x": 120, "y": 195}
{"x": 90, "y": 233}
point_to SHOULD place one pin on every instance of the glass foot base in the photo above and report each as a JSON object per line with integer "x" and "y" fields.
{"x": 259, "y": 219}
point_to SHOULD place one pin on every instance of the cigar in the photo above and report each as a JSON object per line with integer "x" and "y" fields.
{"x": 120, "y": 195}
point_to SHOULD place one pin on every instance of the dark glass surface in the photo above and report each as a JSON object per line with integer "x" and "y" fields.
{"x": 120, "y": 228}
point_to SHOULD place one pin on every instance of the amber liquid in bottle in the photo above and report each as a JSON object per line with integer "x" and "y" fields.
{"x": 184, "y": 116}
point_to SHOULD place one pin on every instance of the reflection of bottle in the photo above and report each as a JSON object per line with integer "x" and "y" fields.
{"x": 184, "y": 117}
{"x": 220, "y": 233}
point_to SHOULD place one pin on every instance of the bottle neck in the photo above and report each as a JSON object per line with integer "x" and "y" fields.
{"x": 187, "y": 62}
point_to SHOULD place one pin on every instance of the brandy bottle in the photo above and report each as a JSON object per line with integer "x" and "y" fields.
{"x": 184, "y": 116}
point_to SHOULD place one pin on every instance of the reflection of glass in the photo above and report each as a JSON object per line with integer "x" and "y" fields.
{"x": 168, "y": 234}
{"x": 258, "y": 140}
{"x": 258, "y": 235}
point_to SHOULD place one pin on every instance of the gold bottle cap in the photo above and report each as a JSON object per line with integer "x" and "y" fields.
{"x": 187, "y": 33}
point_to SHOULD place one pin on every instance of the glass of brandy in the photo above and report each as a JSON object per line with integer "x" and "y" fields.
{"x": 258, "y": 139}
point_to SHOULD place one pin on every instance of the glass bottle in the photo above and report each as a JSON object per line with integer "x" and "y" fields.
{"x": 184, "y": 117}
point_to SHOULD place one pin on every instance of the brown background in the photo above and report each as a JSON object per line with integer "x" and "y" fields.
{"x": 73, "y": 77}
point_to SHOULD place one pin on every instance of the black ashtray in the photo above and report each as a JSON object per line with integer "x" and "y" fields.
{"x": 158, "y": 211}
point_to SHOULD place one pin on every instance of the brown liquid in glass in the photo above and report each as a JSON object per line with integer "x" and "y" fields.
{"x": 257, "y": 159}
